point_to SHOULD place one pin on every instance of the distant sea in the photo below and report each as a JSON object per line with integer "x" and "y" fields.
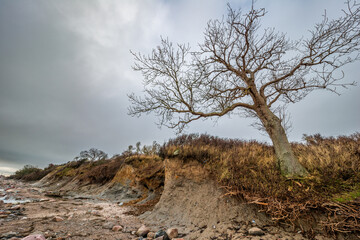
{"x": 7, "y": 171}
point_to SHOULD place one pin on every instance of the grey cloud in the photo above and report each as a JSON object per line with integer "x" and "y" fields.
{"x": 65, "y": 70}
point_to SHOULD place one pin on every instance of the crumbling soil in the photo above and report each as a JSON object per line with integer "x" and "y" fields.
{"x": 194, "y": 203}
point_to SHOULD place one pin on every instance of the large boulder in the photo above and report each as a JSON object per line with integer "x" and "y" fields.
{"x": 161, "y": 234}
{"x": 255, "y": 231}
{"x": 172, "y": 233}
{"x": 143, "y": 231}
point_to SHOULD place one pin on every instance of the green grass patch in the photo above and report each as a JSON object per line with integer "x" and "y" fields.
{"x": 348, "y": 196}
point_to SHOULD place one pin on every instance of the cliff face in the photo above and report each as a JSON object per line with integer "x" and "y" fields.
{"x": 135, "y": 179}
{"x": 196, "y": 204}
{"x": 185, "y": 193}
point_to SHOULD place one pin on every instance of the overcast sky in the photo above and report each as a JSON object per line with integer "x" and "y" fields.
{"x": 65, "y": 72}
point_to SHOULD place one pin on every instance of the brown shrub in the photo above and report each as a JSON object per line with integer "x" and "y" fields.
{"x": 101, "y": 172}
{"x": 31, "y": 173}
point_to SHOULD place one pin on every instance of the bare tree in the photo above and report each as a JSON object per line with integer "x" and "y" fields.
{"x": 92, "y": 154}
{"x": 239, "y": 66}
{"x": 138, "y": 148}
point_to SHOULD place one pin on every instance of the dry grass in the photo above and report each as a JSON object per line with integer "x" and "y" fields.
{"x": 90, "y": 172}
{"x": 334, "y": 161}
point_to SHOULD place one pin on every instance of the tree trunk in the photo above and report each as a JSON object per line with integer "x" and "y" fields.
{"x": 289, "y": 165}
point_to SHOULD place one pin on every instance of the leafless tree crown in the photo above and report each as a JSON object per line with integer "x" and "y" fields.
{"x": 92, "y": 154}
{"x": 239, "y": 66}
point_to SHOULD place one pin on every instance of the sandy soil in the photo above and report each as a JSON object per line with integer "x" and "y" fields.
{"x": 60, "y": 218}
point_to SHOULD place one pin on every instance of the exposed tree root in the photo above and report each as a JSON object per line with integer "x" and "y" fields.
{"x": 341, "y": 217}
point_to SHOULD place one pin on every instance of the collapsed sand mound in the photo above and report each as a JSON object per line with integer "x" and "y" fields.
{"x": 196, "y": 204}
